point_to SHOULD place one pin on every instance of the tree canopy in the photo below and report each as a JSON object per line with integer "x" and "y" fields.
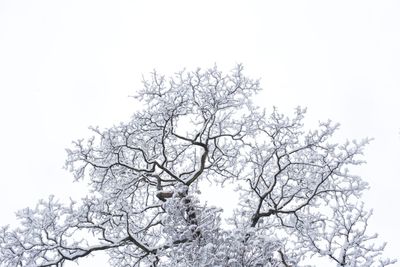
{"x": 297, "y": 195}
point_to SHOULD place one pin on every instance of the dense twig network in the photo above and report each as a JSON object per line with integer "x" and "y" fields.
{"x": 297, "y": 197}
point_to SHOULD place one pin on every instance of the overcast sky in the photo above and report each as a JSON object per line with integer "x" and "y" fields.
{"x": 66, "y": 65}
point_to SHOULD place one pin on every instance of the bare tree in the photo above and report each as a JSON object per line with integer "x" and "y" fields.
{"x": 297, "y": 196}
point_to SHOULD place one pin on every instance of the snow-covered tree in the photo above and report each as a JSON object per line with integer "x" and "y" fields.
{"x": 297, "y": 197}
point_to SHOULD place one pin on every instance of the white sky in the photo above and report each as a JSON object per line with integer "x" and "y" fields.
{"x": 65, "y": 65}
